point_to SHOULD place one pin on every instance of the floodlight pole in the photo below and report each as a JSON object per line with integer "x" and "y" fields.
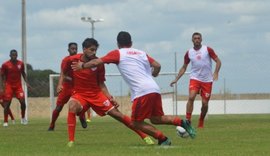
{"x": 92, "y": 21}
{"x": 24, "y": 54}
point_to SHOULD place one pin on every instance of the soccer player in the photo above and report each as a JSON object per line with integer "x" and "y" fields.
{"x": 201, "y": 77}
{"x": 64, "y": 88}
{"x": 12, "y": 71}
{"x": 91, "y": 91}
{"x": 137, "y": 69}
{"x": 2, "y": 97}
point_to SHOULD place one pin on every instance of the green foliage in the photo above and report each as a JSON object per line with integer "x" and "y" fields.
{"x": 39, "y": 81}
{"x": 223, "y": 135}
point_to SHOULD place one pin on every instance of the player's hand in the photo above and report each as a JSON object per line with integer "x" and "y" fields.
{"x": 76, "y": 65}
{"x": 114, "y": 102}
{"x": 59, "y": 89}
{"x": 215, "y": 76}
{"x": 172, "y": 83}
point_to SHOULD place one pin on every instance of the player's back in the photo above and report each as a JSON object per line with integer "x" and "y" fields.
{"x": 136, "y": 70}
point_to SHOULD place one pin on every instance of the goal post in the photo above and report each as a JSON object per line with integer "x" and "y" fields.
{"x": 52, "y": 98}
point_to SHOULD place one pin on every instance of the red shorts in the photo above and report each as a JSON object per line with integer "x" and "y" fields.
{"x": 64, "y": 95}
{"x": 147, "y": 106}
{"x": 98, "y": 102}
{"x": 11, "y": 90}
{"x": 205, "y": 88}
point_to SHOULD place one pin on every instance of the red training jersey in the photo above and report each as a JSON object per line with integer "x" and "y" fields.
{"x": 12, "y": 72}
{"x": 85, "y": 80}
{"x": 69, "y": 73}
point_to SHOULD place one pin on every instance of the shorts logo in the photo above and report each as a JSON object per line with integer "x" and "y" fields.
{"x": 207, "y": 95}
{"x": 94, "y": 68}
{"x": 21, "y": 94}
{"x": 106, "y": 103}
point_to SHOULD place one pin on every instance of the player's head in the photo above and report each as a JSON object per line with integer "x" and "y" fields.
{"x": 72, "y": 48}
{"x": 197, "y": 39}
{"x": 124, "y": 40}
{"x": 13, "y": 55}
{"x": 90, "y": 47}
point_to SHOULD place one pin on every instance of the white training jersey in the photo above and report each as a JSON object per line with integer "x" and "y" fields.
{"x": 201, "y": 63}
{"x": 134, "y": 66}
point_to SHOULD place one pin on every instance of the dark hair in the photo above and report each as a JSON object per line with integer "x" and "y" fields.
{"x": 196, "y": 33}
{"x": 13, "y": 50}
{"x": 88, "y": 42}
{"x": 72, "y": 43}
{"x": 124, "y": 38}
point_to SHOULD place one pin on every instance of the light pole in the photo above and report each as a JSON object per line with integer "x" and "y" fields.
{"x": 92, "y": 21}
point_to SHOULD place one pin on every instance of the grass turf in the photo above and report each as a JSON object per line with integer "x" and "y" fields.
{"x": 222, "y": 135}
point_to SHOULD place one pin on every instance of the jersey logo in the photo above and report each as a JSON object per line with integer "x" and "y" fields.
{"x": 94, "y": 68}
{"x": 106, "y": 103}
{"x": 198, "y": 57}
{"x": 19, "y": 66}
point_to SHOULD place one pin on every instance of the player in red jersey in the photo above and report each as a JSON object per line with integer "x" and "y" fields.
{"x": 64, "y": 88}
{"x": 2, "y": 99}
{"x": 137, "y": 68}
{"x": 91, "y": 91}
{"x": 201, "y": 76}
{"x": 12, "y": 71}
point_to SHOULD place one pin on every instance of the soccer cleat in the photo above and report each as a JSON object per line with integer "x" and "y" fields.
{"x": 51, "y": 129}
{"x": 24, "y": 121}
{"x": 166, "y": 142}
{"x": 70, "y": 144}
{"x": 88, "y": 120}
{"x": 5, "y": 124}
{"x": 148, "y": 141}
{"x": 83, "y": 122}
{"x": 191, "y": 131}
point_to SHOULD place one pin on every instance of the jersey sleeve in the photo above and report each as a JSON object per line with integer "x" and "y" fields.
{"x": 212, "y": 53}
{"x": 66, "y": 65}
{"x": 186, "y": 58}
{"x": 150, "y": 59}
{"x": 111, "y": 57}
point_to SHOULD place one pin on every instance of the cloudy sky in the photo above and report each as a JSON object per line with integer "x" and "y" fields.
{"x": 238, "y": 30}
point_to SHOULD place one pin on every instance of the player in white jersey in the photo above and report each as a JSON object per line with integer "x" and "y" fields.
{"x": 201, "y": 76}
{"x": 137, "y": 69}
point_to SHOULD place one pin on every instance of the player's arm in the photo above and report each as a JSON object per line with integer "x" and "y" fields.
{"x": 82, "y": 65}
{"x": 218, "y": 66}
{"x": 154, "y": 65}
{"x": 105, "y": 90}
{"x": 181, "y": 72}
{"x": 217, "y": 60}
{"x": 60, "y": 82}
{"x": 155, "y": 68}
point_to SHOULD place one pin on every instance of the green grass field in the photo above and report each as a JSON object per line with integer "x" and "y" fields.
{"x": 240, "y": 135}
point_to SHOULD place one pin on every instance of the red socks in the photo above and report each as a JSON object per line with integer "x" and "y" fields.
{"x": 127, "y": 121}
{"x": 71, "y": 121}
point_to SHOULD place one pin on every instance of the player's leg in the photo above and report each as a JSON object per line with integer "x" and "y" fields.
{"x": 7, "y": 98}
{"x": 9, "y": 112}
{"x": 23, "y": 108}
{"x": 116, "y": 114}
{"x": 55, "y": 115}
{"x": 62, "y": 99}
{"x": 73, "y": 108}
{"x": 6, "y": 110}
{"x": 194, "y": 87}
{"x": 20, "y": 96}
{"x": 205, "y": 94}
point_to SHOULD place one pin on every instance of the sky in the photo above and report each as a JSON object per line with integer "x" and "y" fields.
{"x": 238, "y": 31}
